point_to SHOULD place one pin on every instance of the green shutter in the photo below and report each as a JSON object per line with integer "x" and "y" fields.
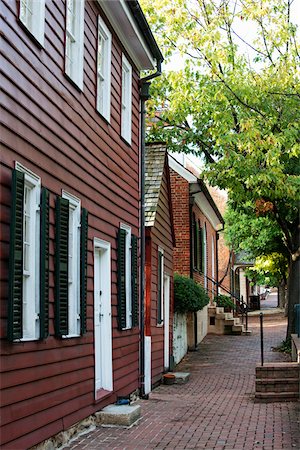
{"x": 61, "y": 266}
{"x": 134, "y": 280}
{"x": 201, "y": 234}
{"x": 15, "y": 296}
{"x": 44, "y": 265}
{"x": 159, "y": 288}
{"x": 122, "y": 278}
{"x": 198, "y": 243}
{"x": 83, "y": 268}
{"x": 194, "y": 236}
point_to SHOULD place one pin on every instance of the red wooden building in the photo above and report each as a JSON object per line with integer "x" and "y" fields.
{"x": 69, "y": 210}
{"x": 160, "y": 240}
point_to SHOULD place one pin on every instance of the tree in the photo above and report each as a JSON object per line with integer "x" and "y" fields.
{"x": 239, "y": 109}
{"x": 260, "y": 238}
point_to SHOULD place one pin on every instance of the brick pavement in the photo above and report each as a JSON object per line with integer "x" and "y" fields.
{"x": 215, "y": 409}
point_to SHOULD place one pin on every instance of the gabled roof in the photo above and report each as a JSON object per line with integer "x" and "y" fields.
{"x": 131, "y": 26}
{"x": 156, "y": 161}
{"x": 200, "y": 193}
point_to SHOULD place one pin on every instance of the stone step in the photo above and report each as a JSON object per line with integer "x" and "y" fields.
{"x": 270, "y": 397}
{"x": 278, "y": 370}
{"x": 277, "y": 385}
{"x": 118, "y": 415}
{"x": 181, "y": 377}
{"x": 238, "y": 327}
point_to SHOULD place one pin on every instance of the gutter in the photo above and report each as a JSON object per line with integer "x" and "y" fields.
{"x": 144, "y": 96}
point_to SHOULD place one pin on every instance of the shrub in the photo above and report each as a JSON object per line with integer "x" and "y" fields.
{"x": 188, "y": 295}
{"x": 224, "y": 301}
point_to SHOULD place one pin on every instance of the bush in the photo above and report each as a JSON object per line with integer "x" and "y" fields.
{"x": 188, "y": 295}
{"x": 224, "y": 301}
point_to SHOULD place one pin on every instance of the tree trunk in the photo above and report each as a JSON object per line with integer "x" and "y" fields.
{"x": 282, "y": 295}
{"x": 293, "y": 294}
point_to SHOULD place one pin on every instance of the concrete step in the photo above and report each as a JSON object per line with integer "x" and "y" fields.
{"x": 277, "y": 385}
{"x": 118, "y": 415}
{"x": 181, "y": 377}
{"x": 272, "y": 397}
{"x": 238, "y": 328}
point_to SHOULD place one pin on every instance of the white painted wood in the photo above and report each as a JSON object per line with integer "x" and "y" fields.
{"x": 102, "y": 316}
{"x": 147, "y": 356}
{"x": 166, "y": 321}
{"x": 180, "y": 345}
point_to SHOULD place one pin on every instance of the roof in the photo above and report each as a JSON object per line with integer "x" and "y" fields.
{"x": 155, "y": 157}
{"x": 132, "y": 28}
{"x": 200, "y": 193}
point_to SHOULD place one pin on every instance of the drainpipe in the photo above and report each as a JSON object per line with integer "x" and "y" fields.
{"x": 144, "y": 96}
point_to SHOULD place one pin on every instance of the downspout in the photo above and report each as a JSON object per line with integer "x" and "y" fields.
{"x": 144, "y": 96}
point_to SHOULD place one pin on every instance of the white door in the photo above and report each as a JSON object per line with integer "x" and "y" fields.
{"x": 166, "y": 321}
{"x": 102, "y": 316}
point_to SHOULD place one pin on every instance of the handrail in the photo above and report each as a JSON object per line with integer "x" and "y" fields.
{"x": 241, "y": 306}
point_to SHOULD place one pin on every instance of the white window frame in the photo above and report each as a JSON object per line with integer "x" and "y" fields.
{"x": 128, "y": 293}
{"x": 73, "y": 264}
{"x": 162, "y": 280}
{"x": 104, "y": 75}
{"x": 31, "y": 274}
{"x": 32, "y": 16}
{"x": 74, "y": 41}
{"x": 126, "y": 100}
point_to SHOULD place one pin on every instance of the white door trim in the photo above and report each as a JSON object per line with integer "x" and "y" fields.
{"x": 102, "y": 316}
{"x": 166, "y": 321}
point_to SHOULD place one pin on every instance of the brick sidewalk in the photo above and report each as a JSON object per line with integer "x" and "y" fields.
{"x": 215, "y": 409}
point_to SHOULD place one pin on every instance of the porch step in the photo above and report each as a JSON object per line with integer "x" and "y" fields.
{"x": 118, "y": 415}
{"x": 181, "y": 377}
{"x": 277, "y": 396}
{"x": 277, "y": 385}
{"x": 277, "y": 382}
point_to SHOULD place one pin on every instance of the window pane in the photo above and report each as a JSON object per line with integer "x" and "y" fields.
{"x": 26, "y": 235}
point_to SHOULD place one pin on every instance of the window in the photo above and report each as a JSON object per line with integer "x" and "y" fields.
{"x": 160, "y": 284}
{"x": 103, "y": 69}
{"x": 32, "y": 15}
{"x": 29, "y": 256}
{"x": 126, "y": 102}
{"x": 70, "y": 266}
{"x": 74, "y": 41}
{"x": 127, "y": 278}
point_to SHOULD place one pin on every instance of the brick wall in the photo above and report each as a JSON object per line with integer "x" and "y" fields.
{"x": 180, "y": 201}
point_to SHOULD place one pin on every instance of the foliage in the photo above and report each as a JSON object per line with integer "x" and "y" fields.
{"x": 188, "y": 295}
{"x": 285, "y": 346}
{"x": 239, "y": 109}
{"x": 269, "y": 269}
{"x": 224, "y": 301}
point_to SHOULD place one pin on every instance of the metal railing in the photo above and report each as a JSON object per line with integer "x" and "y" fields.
{"x": 241, "y": 307}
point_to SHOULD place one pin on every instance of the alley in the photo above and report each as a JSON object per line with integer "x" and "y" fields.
{"x": 215, "y": 409}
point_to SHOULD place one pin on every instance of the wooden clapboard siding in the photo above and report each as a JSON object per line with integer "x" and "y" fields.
{"x": 54, "y": 130}
{"x": 159, "y": 236}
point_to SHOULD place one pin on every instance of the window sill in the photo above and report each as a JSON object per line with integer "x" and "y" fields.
{"x": 73, "y": 83}
{"x": 39, "y": 44}
{"x": 160, "y": 325}
{"x": 69, "y": 336}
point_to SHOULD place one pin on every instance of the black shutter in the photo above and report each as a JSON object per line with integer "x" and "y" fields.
{"x": 15, "y": 297}
{"x": 61, "y": 266}
{"x": 122, "y": 278}
{"x": 44, "y": 265}
{"x": 134, "y": 280}
{"x": 83, "y": 269}
{"x": 159, "y": 288}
